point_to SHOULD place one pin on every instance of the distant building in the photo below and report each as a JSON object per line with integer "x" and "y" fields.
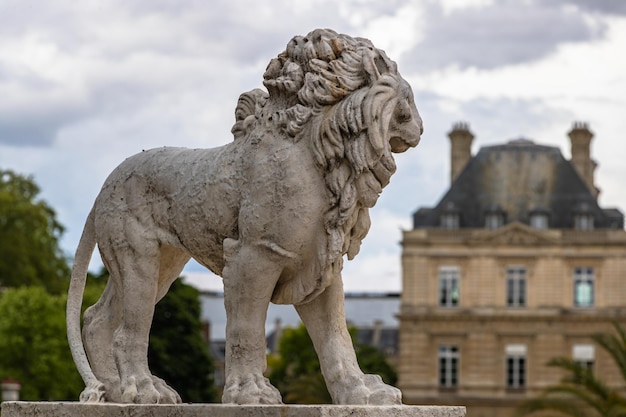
{"x": 515, "y": 265}
{"x": 373, "y": 315}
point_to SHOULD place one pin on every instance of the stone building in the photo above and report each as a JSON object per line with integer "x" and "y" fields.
{"x": 515, "y": 265}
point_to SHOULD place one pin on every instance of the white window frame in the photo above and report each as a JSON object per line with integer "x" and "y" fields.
{"x": 516, "y": 285}
{"x": 584, "y": 286}
{"x": 585, "y": 355}
{"x": 449, "y": 286}
{"x": 448, "y": 358}
{"x": 516, "y": 368}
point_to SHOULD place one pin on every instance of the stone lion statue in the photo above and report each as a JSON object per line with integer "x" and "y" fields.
{"x": 272, "y": 213}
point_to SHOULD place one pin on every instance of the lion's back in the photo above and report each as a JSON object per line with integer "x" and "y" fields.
{"x": 185, "y": 197}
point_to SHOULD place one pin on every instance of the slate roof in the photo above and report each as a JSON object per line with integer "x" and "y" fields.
{"x": 519, "y": 177}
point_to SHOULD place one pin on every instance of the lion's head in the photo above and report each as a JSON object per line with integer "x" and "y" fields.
{"x": 349, "y": 99}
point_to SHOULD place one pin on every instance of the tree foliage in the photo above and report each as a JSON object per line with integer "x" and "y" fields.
{"x": 33, "y": 345}
{"x": 177, "y": 351}
{"x": 295, "y": 369}
{"x": 34, "y": 348}
{"x": 29, "y": 237}
{"x": 581, "y": 393}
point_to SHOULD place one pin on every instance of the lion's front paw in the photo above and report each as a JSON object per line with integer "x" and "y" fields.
{"x": 250, "y": 389}
{"x": 370, "y": 391}
{"x": 94, "y": 392}
{"x": 148, "y": 390}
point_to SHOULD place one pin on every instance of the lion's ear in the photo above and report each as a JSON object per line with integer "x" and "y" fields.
{"x": 369, "y": 66}
{"x": 376, "y": 64}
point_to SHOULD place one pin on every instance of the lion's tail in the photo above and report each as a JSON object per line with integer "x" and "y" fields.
{"x": 85, "y": 248}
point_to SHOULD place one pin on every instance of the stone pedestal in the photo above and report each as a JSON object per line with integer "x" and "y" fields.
{"x": 75, "y": 409}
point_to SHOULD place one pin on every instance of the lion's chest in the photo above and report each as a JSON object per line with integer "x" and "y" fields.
{"x": 282, "y": 195}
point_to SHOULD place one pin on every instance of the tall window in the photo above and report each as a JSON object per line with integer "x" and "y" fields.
{"x": 448, "y": 366}
{"x": 584, "y": 355}
{"x": 583, "y": 287}
{"x": 515, "y": 366}
{"x": 516, "y": 286}
{"x": 448, "y": 286}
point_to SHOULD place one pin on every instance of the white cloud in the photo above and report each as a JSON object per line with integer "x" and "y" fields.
{"x": 451, "y": 6}
{"x": 86, "y": 84}
{"x": 406, "y": 21}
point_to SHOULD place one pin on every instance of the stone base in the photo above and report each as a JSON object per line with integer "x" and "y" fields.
{"x": 75, "y": 409}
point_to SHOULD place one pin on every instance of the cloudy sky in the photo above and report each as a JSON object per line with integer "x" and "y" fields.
{"x": 85, "y": 84}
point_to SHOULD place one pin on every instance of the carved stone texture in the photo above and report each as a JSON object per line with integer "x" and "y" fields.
{"x": 51, "y": 409}
{"x": 272, "y": 212}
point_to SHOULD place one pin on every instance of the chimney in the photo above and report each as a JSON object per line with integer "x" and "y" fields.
{"x": 460, "y": 148}
{"x": 580, "y": 137}
{"x": 278, "y": 334}
{"x": 377, "y": 334}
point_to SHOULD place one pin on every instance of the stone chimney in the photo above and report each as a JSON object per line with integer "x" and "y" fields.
{"x": 580, "y": 137}
{"x": 460, "y": 148}
{"x": 377, "y": 334}
{"x": 278, "y": 334}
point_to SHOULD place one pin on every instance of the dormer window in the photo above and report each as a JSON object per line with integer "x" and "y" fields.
{"x": 539, "y": 219}
{"x": 450, "y": 221}
{"x": 583, "y": 217}
{"x": 494, "y": 220}
{"x": 494, "y": 217}
{"x": 583, "y": 221}
{"x": 450, "y": 218}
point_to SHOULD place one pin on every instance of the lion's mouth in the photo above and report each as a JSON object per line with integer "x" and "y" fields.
{"x": 398, "y": 145}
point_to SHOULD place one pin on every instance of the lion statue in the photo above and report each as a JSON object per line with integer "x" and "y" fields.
{"x": 273, "y": 213}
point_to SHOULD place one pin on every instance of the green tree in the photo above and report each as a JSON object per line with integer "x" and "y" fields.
{"x": 177, "y": 351}
{"x": 33, "y": 342}
{"x": 29, "y": 237}
{"x": 33, "y": 345}
{"x": 295, "y": 369}
{"x": 581, "y": 393}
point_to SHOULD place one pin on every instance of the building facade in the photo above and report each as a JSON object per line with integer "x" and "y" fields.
{"x": 515, "y": 265}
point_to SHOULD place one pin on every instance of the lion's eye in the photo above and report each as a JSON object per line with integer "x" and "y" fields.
{"x": 403, "y": 112}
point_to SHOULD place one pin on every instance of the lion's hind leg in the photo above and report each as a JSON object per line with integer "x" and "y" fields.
{"x": 141, "y": 275}
{"x": 100, "y": 321}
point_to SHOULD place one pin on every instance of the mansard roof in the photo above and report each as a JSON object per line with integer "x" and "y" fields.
{"x": 517, "y": 179}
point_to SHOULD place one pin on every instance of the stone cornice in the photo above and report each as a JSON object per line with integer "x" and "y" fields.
{"x": 516, "y": 235}
{"x": 504, "y": 314}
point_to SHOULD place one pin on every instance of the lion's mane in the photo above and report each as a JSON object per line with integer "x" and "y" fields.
{"x": 341, "y": 87}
